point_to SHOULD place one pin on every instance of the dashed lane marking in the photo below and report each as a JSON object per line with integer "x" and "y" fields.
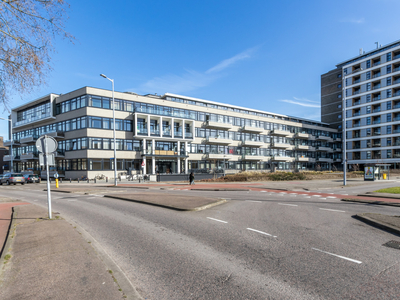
{"x": 287, "y": 204}
{"x": 316, "y": 195}
{"x": 332, "y": 210}
{"x": 217, "y": 220}
{"x": 255, "y": 230}
{"x": 253, "y": 201}
{"x": 343, "y": 257}
{"x": 332, "y": 197}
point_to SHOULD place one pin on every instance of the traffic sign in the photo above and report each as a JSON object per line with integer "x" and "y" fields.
{"x": 55, "y": 175}
{"x": 46, "y": 141}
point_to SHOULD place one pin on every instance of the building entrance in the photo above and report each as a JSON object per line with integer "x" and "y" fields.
{"x": 165, "y": 166}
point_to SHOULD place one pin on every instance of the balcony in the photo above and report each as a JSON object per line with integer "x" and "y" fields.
{"x": 356, "y": 92}
{"x": 324, "y": 159}
{"x": 54, "y": 133}
{"x": 252, "y": 143}
{"x": 305, "y": 159}
{"x": 396, "y": 131}
{"x": 219, "y": 156}
{"x": 280, "y": 132}
{"x": 8, "y": 143}
{"x": 281, "y": 158}
{"x": 356, "y": 103}
{"x": 376, "y": 110}
{"x": 166, "y": 133}
{"x": 29, "y": 139}
{"x": 356, "y": 114}
{"x": 375, "y": 87}
{"x": 60, "y": 153}
{"x": 154, "y": 132}
{"x": 252, "y": 129}
{"x": 8, "y": 158}
{"x": 338, "y": 150}
{"x": 376, "y": 122}
{"x": 376, "y": 145}
{"x": 278, "y": 145}
{"x": 377, "y": 98}
{"x": 325, "y": 149}
{"x": 356, "y": 81}
{"x": 218, "y": 125}
{"x": 188, "y": 135}
{"x": 301, "y": 135}
{"x": 376, "y": 75}
{"x": 337, "y": 139}
{"x": 33, "y": 119}
{"x": 356, "y": 125}
{"x": 324, "y": 138}
{"x": 376, "y": 63}
{"x": 141, "y": 131}
{"x": 338, "y": 160}
{"x": 30, "y": 155}
{"x": 305, "y": 148}
{"x": 163, "y": 153}
{"x": 251, "y": 156}
{"x": 377, "y": 133}
{"x": 178, "y": 134}
{"x": 218, "y": 141}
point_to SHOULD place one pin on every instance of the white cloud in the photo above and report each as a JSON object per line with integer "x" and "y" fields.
{"x": 191, "y": 79}
{"x": 355, "y": 21}
{"x": 303, "y": 103}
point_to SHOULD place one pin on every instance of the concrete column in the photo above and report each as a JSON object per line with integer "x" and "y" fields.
{"x": 161, "y": 126}
{"x": 193, "y": 129}
{"x": 153, "y": 146}
{"x": 153, "y": 165}
{"x": 135, "y": 124}
{"x": 178, "y": 148}
{"x": 144, "y": 145}
{"x": 172, "y": 127}
{"x": 148, "y": 125}
{"x": 178, "y": 167}
{"x": 186, "y": 166}
{"x": 144, "y": 165}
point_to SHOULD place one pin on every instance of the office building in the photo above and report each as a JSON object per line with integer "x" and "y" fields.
{"x": 166, "y": 134}
{"x": 371, "y": 95}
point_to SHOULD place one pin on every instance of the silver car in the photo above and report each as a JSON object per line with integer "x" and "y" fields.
{"x": 14, "y": 178}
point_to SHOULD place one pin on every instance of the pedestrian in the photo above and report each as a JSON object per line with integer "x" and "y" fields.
{"x": 191, "y": 178}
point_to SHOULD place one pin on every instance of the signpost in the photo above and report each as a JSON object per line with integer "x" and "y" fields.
{"x": 46, "y": 145}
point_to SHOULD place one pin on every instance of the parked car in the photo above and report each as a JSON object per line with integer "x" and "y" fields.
{"x": 32, "y": 178}
{"x": 14, "y": 178}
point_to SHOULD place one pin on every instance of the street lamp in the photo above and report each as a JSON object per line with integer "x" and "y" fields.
{"x": 12, "y": 156}
{"x": 115, "y": 144}
{"x": 344, "y": 127}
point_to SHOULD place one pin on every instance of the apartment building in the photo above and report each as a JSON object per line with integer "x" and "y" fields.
{"x": 166, "y": 134}
{"x": 371, "y": 95}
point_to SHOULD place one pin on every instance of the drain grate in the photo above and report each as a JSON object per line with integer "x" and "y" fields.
{"x": 393, "y": 244}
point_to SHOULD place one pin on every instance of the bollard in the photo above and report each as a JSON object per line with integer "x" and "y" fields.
{"x": 88, "y": 180}
{"x": 78, "y": 180}
{"x": 106, "y": 179}
{"x": 139, "y": 179}
{"x": 56, "y": 183}
{"x": 95, "y": 180}
{"x": 120, "y": 179}
{"x": 70, "y": 180}
{"x": 60, "y": 180}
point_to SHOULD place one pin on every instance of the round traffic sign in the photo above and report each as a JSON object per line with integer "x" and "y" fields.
{"x": 46, "y": 143}
{"x": 55, "y": 175}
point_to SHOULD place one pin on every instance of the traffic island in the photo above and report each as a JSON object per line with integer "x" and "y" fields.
{"x": 171, "y": 201}
{"x": 373, "y": 201}
{"x": 385, "y": 222}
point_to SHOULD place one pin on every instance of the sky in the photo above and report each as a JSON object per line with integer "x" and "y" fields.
{"x": 261, "y": 54}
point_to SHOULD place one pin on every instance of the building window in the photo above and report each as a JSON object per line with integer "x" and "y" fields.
{"x": 368, "y": 154}
{"x": 339, "y": 127}
{"x": 339, "y": 85}
{"x": 389, "y": 118}
{"x": 368, "y": 75}
{"x": 368, "y": 86}
{"x": 339, "y": 96}
{"x": 389, "y": 142}
{"x": 388, "y": 56}
{"x": 368, "y": 98}
{"x": 389, "y": 93}
{"x": 368, "y": 109}
{"x": 345, "y": 71}
{"x": 388, "y": 69}
{"x": 368, "y": 120}
{"x": 388, "y": 81}
{"x": 388, "y": 129}
{"x": 339, "y": 116}
{"x": 388, "y": 105}
{"x": 339, "y": 106}
{"x": 339, "y": 76}
{"x": 389, "y": 153}
{"x": 368, "y": 131}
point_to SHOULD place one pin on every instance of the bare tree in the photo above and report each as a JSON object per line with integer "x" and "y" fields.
{"x": 27, "y": 30}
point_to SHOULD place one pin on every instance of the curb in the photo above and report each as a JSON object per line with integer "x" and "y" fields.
{"x": 381, "y": 195}
{"x": 370, "y": 202}
{"x": 370, "y": 221}
{"x": 170, "y": 207}
{"x": 8, "y": 241}
{"x": 122, "y": 280}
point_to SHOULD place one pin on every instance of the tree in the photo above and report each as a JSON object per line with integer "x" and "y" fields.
{"x": 27, "y": 30}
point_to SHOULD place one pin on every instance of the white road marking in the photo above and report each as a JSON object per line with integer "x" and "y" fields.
{"x": 261, "y": 232}
{"x": 331, "y": 193}
{"x": 332, "y": 209}
{"x": 345, "y": 194}
{"x": 346, "y": 258}
{"x": 293, "y": 193}
{"x": 216, "y": 220}
{"x": 307, "y": 197}
{"x": 263, "y": 191}
{"x": 322, "y": 198}
{"x": 331, "y": 197}
{"x": 282, "y": 192}
{"x": 316, "y": 195}
{"x": 253, "y": 201}
{"x": 287, "y": 204}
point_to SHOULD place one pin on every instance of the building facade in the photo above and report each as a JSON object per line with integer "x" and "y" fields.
{"x": 4, "y": 166}
{"x": 166, "y": 134}
{"x": 371, "y": 96}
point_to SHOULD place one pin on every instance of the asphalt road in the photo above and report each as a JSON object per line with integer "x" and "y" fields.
{"x": 259, "y": 245}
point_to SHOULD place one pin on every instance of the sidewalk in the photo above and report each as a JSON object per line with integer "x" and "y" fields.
{"x": 49, "y": 259}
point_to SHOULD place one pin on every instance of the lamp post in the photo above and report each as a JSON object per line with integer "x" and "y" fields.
{"x": 12, "y": 156}
{"x": 115, "y": 144}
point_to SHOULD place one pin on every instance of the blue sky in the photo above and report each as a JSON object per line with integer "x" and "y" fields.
{"x": 261, "y": 54}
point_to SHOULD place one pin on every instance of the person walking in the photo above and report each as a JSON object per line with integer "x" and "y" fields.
{"x": 191, "y": 178}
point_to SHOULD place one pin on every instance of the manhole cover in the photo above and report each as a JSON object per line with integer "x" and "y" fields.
{"x": 393, "y": 244}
